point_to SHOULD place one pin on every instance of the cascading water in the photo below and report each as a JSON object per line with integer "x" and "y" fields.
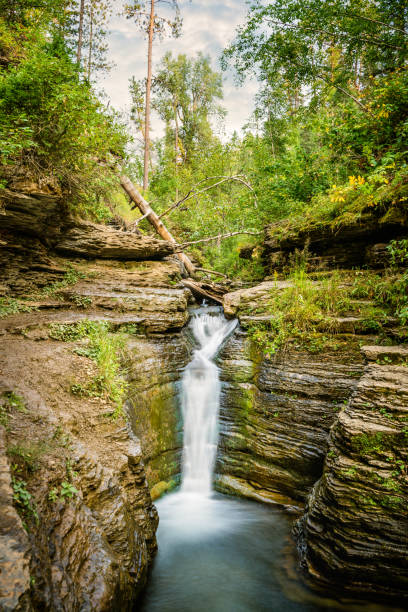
{"x": 200, "y": 402}
{"x": 217, "y": 553}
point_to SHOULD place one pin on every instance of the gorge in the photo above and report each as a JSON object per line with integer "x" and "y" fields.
{"x": 319, "y": 438}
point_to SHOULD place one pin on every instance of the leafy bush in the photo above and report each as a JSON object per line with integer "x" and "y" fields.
{"x": 53, "y": 125}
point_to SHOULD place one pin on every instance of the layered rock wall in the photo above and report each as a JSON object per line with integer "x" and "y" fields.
{"x": 355, "y": 530}
{"x": 275, "y": 418}
{"x": 154, "y": 373}
{"x": 70, "y": 471}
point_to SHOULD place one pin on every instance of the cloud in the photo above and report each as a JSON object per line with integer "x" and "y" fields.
{"x": 208, "y": 26}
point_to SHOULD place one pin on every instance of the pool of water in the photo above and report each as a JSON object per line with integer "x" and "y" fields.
{"x": 223, "y": 554}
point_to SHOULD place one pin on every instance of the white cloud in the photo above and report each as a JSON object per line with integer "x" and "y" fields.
{"x": 208, "y": 26}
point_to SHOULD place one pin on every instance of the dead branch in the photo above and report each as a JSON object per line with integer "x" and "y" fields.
{"x": 239, "y": 178}
{"x": 211, "y": 272}
{"x": 218, "y": 237}
{"x": 149, "y": 213}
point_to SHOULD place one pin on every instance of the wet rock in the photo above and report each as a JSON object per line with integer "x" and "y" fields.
{"x": 354, "y": 534}
{"x": 275, "y": 418}
{"x": 154, "y": 373}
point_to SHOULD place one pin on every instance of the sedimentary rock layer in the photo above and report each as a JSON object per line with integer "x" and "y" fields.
{"x": 98, "y": 241}
{"x": 355, "y": 531}
{"x": 154, "y": 373}
{"x": 275, "y": 418}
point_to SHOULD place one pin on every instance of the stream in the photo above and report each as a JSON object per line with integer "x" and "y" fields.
{"x": 219, "y": 553}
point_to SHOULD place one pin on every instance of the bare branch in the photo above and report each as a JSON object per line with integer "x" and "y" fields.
{"x": 219, "y": 237}
{"x": 239, "y": 178}
{"x": 211, "y": 272}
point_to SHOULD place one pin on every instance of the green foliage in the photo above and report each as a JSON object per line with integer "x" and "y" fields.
{"x": 51, "y": 122}
{"x": 72, "y": 332}
{"x": 23, "y": 498}
{"x": 71, "y": 277}
{"x": 298, "y": 311}
{"x": 103, "y": 347}
{"x": 53, "y": 495}
{"x": 10, "y": 306}
{"x": 369, "y": 444}
{"x": 10, "y": 401}
{"x": 15, "y": 401}
{"x": 68, "y": 491}
{"x": 29, "y": 454}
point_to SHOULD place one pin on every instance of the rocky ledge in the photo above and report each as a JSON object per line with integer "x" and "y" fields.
{"x": 362, "y": 243}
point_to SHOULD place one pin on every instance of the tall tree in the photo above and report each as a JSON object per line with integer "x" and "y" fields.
{"x": 146, "y": 16}
{"x": 187, "y": 93}
{"x": 97, "y": 16}
{"x": 80, "y": 31}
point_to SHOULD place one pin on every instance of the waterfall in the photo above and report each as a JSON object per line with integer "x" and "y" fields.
{"x": 200, "y": 400}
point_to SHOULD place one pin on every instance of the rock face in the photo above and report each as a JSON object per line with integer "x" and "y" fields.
{"x": 275, "y": 419}
{"x": 245, "y": 299}
{"x": 154, "y": 373}
{"x": 36, "y": 238}
{"x": 90, "y": 519}
{"x": 15, "y": 572}
{"x": 79, "y": 479}
{"x": 355, "y": 245}
{"x": 355, "y": 530}
{"x": 98, "y": 241}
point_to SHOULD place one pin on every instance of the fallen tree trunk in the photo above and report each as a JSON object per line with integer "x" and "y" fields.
{"x": 205, "y": 290}
{"x": 211, "y": 272}
{"x": 154, "y": 219}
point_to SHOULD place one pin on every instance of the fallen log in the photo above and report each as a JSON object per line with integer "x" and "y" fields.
{"x": 205, "y": 290}
{"x": 211, "y": 272}
{"x": 154, "y": 219}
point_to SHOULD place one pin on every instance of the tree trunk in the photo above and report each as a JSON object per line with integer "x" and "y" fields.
{"x": 90, "y": 40}
{"x": 176, "y": 138}
{"x": 80, "y": 31}
{"x": 151, "y": 216}
{"x": 148, "y": 89}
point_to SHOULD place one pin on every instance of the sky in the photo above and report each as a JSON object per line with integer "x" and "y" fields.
{"x": 208, "y": 26}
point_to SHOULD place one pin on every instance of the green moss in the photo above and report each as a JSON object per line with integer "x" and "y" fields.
{"x": 369, "y": 444}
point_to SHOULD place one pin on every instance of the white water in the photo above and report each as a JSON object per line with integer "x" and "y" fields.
{"x": 200, "y": 402}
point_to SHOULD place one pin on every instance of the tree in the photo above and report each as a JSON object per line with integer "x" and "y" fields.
{"x": 337, "y": 43}
{"x": 97, "y": 16}
{"x": 153, "y": 24}
{"x": 80, "y": 31}
{"x": 186, "y": 95}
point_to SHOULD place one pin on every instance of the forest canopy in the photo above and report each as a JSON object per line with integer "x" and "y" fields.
{"x": 326, "y": 143}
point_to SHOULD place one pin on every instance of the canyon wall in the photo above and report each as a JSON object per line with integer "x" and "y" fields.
{"x": 275, "y": 418}
{"x": 80, "y": 524}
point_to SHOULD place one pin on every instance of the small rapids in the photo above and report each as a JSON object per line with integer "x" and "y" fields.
{"x": 218, "y": 553}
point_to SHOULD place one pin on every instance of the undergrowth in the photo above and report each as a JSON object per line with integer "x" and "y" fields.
{"x": 305, "y": 314}
{"x": 105, "y": 348}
